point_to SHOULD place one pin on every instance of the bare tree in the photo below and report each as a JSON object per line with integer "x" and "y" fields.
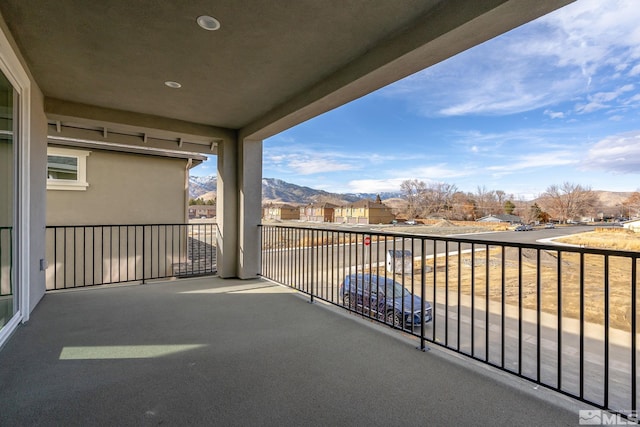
{"x": 413, "y": 191}
{"x": 439, "y": 199}
{"x": 568, "y": 201}
{"x": 632, "y": 204}
{"x": 463, "y": 206}
{"x": 484, "y": 200}
{"x": 425, "y": 200}
{"x": 490, "y": 202}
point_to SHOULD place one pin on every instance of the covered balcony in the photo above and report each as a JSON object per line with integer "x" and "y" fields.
{"x": 559, "y": 320}
{"x": 237, "y": 349}
{"x": 210, "y": 351}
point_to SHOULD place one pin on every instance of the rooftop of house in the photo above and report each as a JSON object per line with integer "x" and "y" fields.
{"x": 366, "y": 203}
{"x": 501, "y": 218}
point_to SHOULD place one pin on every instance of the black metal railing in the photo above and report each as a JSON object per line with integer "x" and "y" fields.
{"x": 89, "y": 255}
{"x": 6, "y": 261}
{"x": 563, "y": 317}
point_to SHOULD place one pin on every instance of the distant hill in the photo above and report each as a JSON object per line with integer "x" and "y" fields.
{"x": 612, "y": 198}
{"x": 608, "y": 202}
{"x": 279, "y": 191}
{"x": 203, "y": 186}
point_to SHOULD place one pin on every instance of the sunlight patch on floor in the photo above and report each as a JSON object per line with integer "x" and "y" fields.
{"x": 124, "y": 351}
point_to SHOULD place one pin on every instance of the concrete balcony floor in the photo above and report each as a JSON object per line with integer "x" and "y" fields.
{"x": 209, "y": 351}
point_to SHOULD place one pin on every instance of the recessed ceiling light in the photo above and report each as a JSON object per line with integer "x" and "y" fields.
{"x": 208, "y": 22}
{"x": 173, "y": 85}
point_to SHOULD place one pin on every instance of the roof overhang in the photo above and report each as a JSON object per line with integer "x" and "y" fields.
{"x": 272, "y": 65}
{"x": 194, "y": 158}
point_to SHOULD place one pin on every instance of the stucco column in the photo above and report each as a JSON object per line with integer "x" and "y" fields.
{"x": 227, "y": 209}
{"x": 239, "y": 208}
{"x": 250, "y": 209}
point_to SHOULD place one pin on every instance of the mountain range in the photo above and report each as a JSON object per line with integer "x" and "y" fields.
{"x": 279, "y": 191}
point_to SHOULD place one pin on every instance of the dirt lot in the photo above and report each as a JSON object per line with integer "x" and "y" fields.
{"x": 467, "y": 276}
{"x": 606, "y": 238}
{"x": 442, "y": 227}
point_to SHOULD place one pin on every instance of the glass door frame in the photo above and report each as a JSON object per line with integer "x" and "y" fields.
{"x": 16, "y": 74}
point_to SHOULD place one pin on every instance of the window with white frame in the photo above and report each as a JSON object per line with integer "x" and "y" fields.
{"x": 66, "y": 169}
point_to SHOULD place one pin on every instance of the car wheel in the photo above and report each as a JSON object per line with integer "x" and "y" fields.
{"x": 394, "y": 318}
{"x": 346, "y": 301}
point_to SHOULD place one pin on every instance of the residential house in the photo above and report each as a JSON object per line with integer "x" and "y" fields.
{"x": 90, "y": 182}
{"x": 364, "y": 212}
{"x": 102, "y": 187}
{"x": 202, "y": 211}
{"x": 318, "y": 212}
{"x": 281, "y": 212}
{"x": 505, "y": 218}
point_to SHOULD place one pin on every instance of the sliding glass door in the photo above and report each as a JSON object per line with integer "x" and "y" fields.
{"x": 8, "y": 293}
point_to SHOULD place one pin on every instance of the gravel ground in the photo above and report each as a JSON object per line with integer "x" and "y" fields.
{"x": 442, "y": 229}
{"x": 430, "y": 229}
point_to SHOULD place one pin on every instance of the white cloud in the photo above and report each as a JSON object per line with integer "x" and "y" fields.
{"x": 373, "y": 185}
{"x": 317, "y": 165}
{"x": 390, "y": 180}
{"x": 438, "y": 173}
{"x": 555, "y": 59}
{"x": 433, "y": 173}
{"x": 617, "y": 154}
{"x": 537, "y": 161}
{"x": 554, "y": 114}
{"x": 503, "y": 144}
{"x": 602, "y": 100}
{"x": 306, "y": 160}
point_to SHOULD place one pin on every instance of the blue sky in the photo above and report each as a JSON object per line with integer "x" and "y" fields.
{"x": 556, "y": 100}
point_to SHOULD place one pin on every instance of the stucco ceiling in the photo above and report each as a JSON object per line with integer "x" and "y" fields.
{"x": 271, "y": 65}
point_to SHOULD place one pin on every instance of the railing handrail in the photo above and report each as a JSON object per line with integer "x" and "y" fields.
{"x": 131, "y": 225}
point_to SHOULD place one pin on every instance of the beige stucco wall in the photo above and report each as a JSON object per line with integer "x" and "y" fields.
{"x": 37, "y": 189}
{"x": 124, "y": 189}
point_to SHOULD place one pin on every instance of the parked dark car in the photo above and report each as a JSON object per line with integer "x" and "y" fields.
{"x": 385, "y": 299}
{"x": 524, "y": 227}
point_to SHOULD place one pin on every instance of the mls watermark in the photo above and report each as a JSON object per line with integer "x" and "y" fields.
{"x": 598, "y": 417}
